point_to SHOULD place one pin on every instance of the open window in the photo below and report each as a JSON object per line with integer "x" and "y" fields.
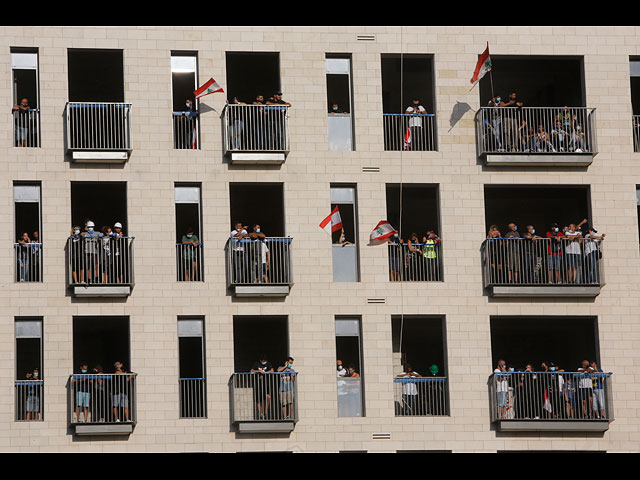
{"x": 263, "y": 398}
{"x": 102, "y": 386}
{"x": 29, "y": 382}
{"x": 339, "y": 102}
{"x": 189, "y": 247}
{"x": 414, "y": 209}
{"x": 98, "y": 124}
{"x": 350, "y": 374}
{"x": 420, "y": 366}
{"x": 346, "y": 262}
{"x": 28, "y": 244}
{"x": 26, "y": 96}
{"x": 408, "y": 102}
{"x": 184, "y": 81}
{"x": 193, "y": 378}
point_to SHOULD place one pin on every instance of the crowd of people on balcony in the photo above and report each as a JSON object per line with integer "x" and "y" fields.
{"x": 510, "y": 130}
{"x": 28, "y": 253}
{"x": 253, "y": 264}
{"x": 101, "y": 256}
{"x": 569, "y": 255}
{"x": 550, "y": 392}
{"x": 414, "y": 261}
{"x": 264, "y": 386}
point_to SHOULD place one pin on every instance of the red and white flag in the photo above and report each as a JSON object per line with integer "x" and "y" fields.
{"x": 381, "y": 233}
{"x": 547, "y": 403}
{"x": 482, "y": 67}
{"x": 332, "y": 223}
{"x": 407, "y": 139}
{"x": 210, "y": 87}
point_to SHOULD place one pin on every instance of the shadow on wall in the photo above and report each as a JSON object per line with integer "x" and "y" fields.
{"x": 459, "y": 109}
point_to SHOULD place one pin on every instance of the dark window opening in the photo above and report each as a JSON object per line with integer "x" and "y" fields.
{"x": 27, "y": 219}
{"x": 255, "y": 336}
{"x": 187, "y": 216}
{"x": 101, "y": 341}
{"x": 258, "y": 203}
{"x": 96, "y": 75}
{"x": 348, "y": 217}
{"x": 338, "y": 92}
{"x": 26, "y": 85}
{"x": 546, "y": 81}
{"x": 420, "y": 341}
{"x": 250, "y": 74}
{"x": 104, "y": 203}
{"x": 190, "y": 351}
{"x": 405, "y": 78}
{"x": 539, "y": 206}
{"x": 564, "y": 341}
{"x": 183, "y": 88}
{"x": 635, "y": 95}
{"x": 413, "y": 208}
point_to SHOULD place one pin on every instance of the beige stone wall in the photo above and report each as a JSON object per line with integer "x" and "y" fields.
{"x": 158, "y": 299}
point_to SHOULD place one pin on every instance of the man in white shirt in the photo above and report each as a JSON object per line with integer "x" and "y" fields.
{"x": 238, "y": 254}
{"x": 416, "y": 110}
{"x": 409, "y": 390}
{"x": 572, "y": 250}
{"x": 502, "y": 387}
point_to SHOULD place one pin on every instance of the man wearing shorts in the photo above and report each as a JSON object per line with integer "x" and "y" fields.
{"x": 585, "y": 389}
{"x": 554, "y": 252}
{"x": 82, "y": 393}
{"x": 120, "y": 397}
{"x": 286, "y": 388}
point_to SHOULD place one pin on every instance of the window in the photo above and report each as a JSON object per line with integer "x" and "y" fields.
{"x": 26, "y": 97}
{"x": 184, "y": 81}
{"x": 346, "y": 267}
{"x": 29, "y": 383}
{"x": 189, "y": 249}
{"x": 28, "y": 247}
{"x": 193, "y": 379}
{"x": 350, "y": 375}
{"x": 339, "y": 102}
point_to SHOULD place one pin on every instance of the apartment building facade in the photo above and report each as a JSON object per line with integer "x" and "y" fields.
{"x": 111, "y": 133}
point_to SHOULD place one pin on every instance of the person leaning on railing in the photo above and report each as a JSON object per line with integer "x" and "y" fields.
{"x": 23, "y": 257}
{"x": 415, "y": 110}
{"x": 22, "y": 121}
{"x": 287, "y": 388}
{"x": 414, "y": 257}
{"x": 430, "y": 254}
{"x": 260, "y": 260}
{"x": 409, "y": 390}
{"x": 592, "y": 253}
{"x": 494, "y": 250}
{"x": 554, "y": 252}
{"x": 190, "y": 243}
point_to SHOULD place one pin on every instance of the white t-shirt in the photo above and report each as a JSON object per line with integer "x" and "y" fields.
{"x": 584, "y": 381}
{"x": 415, "y": 121}
{"x": 264, "y": 249}
{"x": 590, "y": 245}
{"x": 502, "y": 383}
{"x": 237, "y": 246}
{"x": 409, "y": 388}
{"x": 573, "y": 247}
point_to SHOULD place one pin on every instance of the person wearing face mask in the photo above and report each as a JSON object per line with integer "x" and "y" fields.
{"x": 578, "y": 139}
{"x": 82, "y": 384}
{"x": 261, "y": 386}
{"x": 119, "y": 243}
{"x": 24, "y": 254}
{"x": 189, "y": 246}
{"x": 286, "y": 387}
{"x": 554, "y": 252}
{"x": 502, "y": 388}
{"x": 189, "y": 133}
{"x": 335, "y": 109}
{"x": 259, "y": 255}
{"x": 533, "y": 252}
{"x": 430, "y": 254}
{"x": 76, "y": 251}
{"x": 416, "y": 111}
{"x": 513, "y": 252}
{"x": 494, "y": 124}
{"x": 395, "y": 257}
{"x": 573, "y": 253}
{"x": 91, "y": 257}
{"x": 342, "y": 372}
{"x": 33, "y": 395}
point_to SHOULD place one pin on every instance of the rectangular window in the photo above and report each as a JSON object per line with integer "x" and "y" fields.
{"x": 345, "y": 253}
{"x": 184, "y": 81}
{"x": 26, "y": 97}
{"x": 193, "y": 379}
{"x": 189, "y": 248}
{"x": 339, "y": 102}
{"x": 28, "y": 245}
{"x": 29, "y": 383}
{"x": 350, "y": 375}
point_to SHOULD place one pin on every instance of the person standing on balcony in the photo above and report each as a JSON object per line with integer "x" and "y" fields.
{"x": 258, "y": 121}
{"x": 24, "y": 252}
{"x": 414, "y": 258}
{"x": 33, "y": 395}
{"x": 409, "y": 390}
{"x": 430, "y": 254}
{"x": 286, "y": 387}
{"x": 189, "y": 247}
{"x": 495, "y": 254}
{"x": 22, "y": 118}
{"x": 570, "y": 395}
{"x": 36, "y": 248}
{"x": 416, "y": 111}
{"x": 512, "y": 121}
{"x": 260, "y": 255}
{"x": 585, "y": 389}
{"x": 236, "y": 124}
{"x": 494, "y": 125}
{"x": 276, "y": 115}
{"x": 238, "y": 254}
{"x": 76, "y": 255}
{"x": 120, "y": 391}
{"x": 573, "y": 253}
{"x": 501, "y": 379}
{"x": 262, "y": 387}
{"x": 82, "y": 384}
{"x": 533, "y": 252}
{"x": 554, "y": 252}
{"x": 99, "y": 394}
{"x": 120, "y": 253}
{"x": 395, "y": 257}
{"x": 106, "y": 260}
{"x": 90, "y": 240}
{"x": 513, "y": 252}
{"x": 598, "y": 391}
{"x": 592, "y": 253}
{"x": 190, "y": 116}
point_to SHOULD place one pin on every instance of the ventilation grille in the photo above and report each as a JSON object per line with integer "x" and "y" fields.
{"x": 371, "y": 169}
{"x": 376, "y": 300}
{"x": 380, "y": 436}
{"x": 366, "y": 38}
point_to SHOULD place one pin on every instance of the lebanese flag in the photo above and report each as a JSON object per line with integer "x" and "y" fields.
{"x": 381, "y": 233}
{"x": 547, "y": 403}
{"x": 407, "y": 139}
{"x": 482, "y": 67}
{"x": 210, "y": 87}
{"x": 332, "y": 223}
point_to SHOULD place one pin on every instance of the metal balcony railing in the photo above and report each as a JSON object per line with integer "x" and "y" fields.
{"x": 26, "y": 128}
{"x": 102, "y": 398}
{"x": 189, "y": 262}
{"x": 422, "y": 266}
{"x": 193, "y": 397}
{"x": 542, "y": 262}
{"x": 635, "y": 125}
{"x": 536, "y": 130}
{"x": 268, "y": 397}
{"x": 421, "y": 396}
{"x": 28, "y": 261}
{"x": 185, "y": 131}
{"x": 412, "y": 132}
{"x": 266, "y": 262}
{"x": 550, "y": 396}
{"x": 100, "y": 261}
{"x": 256, "y": 128}
{"x": 29, "y": 400}
{"x": 98, "y": 126}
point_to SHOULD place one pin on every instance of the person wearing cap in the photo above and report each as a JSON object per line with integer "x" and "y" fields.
{"x": 119, "y": 252}
{"x": 190, "y": 116}
{"x": 592, "y": 252}
{"x": 435, "y": 393}
{"x": 91, "y": 257}
{"x": 554, "y": 252}
{"x": 105, "y": 255}
{"x": 409, "y": 391}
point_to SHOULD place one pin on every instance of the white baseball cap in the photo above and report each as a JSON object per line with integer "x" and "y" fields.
{"x": 90, "y": 224}
{"x": 117, "y": 225}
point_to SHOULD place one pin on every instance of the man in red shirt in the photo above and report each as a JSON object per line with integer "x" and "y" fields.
{"x": 554, "y": 252}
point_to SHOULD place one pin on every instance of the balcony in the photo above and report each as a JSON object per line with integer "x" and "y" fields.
{"x": 28, "y": 262}
{"x": 29, "y": 400}
{"x": 256, "y": 134}
{"x": 185, "y": 131}
{"x": 98, "y": 132}
{"x": 26, "y": 128}
{"x": 102, "y": 404}
{"x": 536, "y": 136}
{"x": 189, "y": 262}
{"x": 551, "y": 401}
{"x": 423, "y": 266}
{"x": 544, "y": 267}
{"x": 259, "y": 268}
{"x": 100, "y": 266}
{"x": 409, "y": 132}
{"x": 264, "y": 403}
{"x": 421, "y": 396}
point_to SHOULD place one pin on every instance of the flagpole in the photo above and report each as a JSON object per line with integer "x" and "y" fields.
{"x": 491, "y": 78}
